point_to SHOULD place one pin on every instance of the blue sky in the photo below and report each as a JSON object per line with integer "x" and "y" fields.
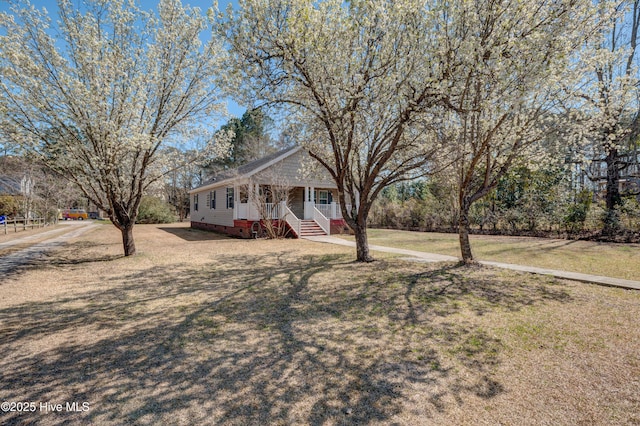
{"x": 50, "y": 5}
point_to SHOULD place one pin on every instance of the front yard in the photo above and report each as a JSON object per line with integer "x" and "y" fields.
{"x": 588, "y": 257}
{"x": 204, "y": 329}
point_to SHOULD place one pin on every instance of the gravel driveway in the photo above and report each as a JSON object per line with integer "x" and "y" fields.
{"x": 13, "y": 261}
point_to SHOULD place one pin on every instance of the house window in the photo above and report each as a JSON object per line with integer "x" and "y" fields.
{"x": 212, "y": 197}
{"x": 322, "y": 197}
{"x": 195, "y": 202}
{"x": 243, "y": 195}
{"x": 266, "y": 194}
{"x": 229, "y": 198}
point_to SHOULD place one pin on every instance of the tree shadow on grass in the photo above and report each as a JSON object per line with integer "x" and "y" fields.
{"x": 191, "y": 234}
{"x": 58, "y": 254}
{"x": 267, "y": 339}
{"x": 536, "y": 247}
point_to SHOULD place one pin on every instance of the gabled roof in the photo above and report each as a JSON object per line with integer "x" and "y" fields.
{"x": 247, "y": 170}
{"x": 9, "y": 186}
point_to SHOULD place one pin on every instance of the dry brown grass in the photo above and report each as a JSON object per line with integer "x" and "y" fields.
{"x": 202, "y": 329}
{"x": 588, "y": 257}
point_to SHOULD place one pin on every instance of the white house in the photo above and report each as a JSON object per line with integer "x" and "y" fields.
{"x": 224, "y": 204}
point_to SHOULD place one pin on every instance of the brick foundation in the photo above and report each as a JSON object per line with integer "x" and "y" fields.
{"x": 339, "y": 226}
{"x": 242, "y": 228}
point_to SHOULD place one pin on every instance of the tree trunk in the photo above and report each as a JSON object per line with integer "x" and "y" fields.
{"x": 613, "y": 198}
{"x": 127, "y": 240}
{"x": 362, "y": 245}
{"x": 463, "y": 233}
{"x": 356, "y": 219}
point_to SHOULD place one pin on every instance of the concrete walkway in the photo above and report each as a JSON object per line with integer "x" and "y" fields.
{"x": 10, "y": 262}
{"x": 419, "y": 256}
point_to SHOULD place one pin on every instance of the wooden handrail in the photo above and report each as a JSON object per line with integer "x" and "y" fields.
{"x": 291, "y": 219}
{"x": 322, "y": 220}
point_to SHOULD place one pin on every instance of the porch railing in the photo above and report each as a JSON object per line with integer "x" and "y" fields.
{"x": 272, "y": 211}
{"x": 331, "y": 211}
{"x": 252, "y": 211}
{"x": 291, "y": 219}
{"x": 338, "y": 211}
{"x": 322, "y": 220}
{"x": 325, "y": 209}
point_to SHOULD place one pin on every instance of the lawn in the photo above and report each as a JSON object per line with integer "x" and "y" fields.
{"x": 607, "y": 259}
{"x": 204, "y": 329}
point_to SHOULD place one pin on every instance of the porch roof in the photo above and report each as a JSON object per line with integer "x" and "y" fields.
{"x": 243, "y": 172}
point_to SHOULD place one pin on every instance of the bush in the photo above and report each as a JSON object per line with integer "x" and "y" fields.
{"x": 10, "y": 205}
{"x": 630, "y": 214}
{"x": 578, "y": 211}
{"x": 155, "y": 210}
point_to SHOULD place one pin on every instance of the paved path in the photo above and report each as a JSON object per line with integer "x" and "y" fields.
{"x": 432, "y": 257}
{"x": 10, "y": 262}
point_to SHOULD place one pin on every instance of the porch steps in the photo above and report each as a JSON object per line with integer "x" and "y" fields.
{"x": 309, "y": 228}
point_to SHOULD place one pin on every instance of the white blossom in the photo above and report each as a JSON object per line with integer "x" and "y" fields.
{"x": 99, "y": 93}
{"x": 354, "y": 76}
{"x": 507, "y": 65}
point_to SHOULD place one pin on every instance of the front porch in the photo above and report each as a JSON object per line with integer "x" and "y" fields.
{"x": 303, "y": 206}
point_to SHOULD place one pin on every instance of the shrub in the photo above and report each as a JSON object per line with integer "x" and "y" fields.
{"x": 630, "y": 214}
{"x": 10, "y": 205}
{"x": 577, "y": 212}
{"x": 155, "y": 210}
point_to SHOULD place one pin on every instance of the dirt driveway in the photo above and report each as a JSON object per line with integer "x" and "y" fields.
{"x": 30, "y": 249}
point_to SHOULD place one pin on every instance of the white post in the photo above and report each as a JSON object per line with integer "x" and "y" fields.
{"x": 333, "y": 210}
{"x": 307, "y": 212}
{"x": 249, "y": 209}
{"x": 312, "y": 201}
{"x": 255, "y": 211}
{"x": 236, "y": 202}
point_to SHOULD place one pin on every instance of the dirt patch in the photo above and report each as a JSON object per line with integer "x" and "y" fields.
{"x": 11, "y": 235}
{"x": 229, "y": 331}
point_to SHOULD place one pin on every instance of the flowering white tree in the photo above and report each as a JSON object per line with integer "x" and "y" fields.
{"x": 356, "y": 77}
{"x": 606, "y": 107}
{"x": 99, "y": 94}
{"x": 508, "y": 61}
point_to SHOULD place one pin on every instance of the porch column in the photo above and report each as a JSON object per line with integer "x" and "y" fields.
{"x": 258, "y": 201}
{"x": 253, "y": 205}
{"x": 307, "y": 210}
{"x": 236, "y": 202}
{"x": 333, "y": 210}
{"x": 282, "y": 209}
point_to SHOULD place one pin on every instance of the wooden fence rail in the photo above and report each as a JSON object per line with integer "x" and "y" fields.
{"x": 23, "y": 224}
